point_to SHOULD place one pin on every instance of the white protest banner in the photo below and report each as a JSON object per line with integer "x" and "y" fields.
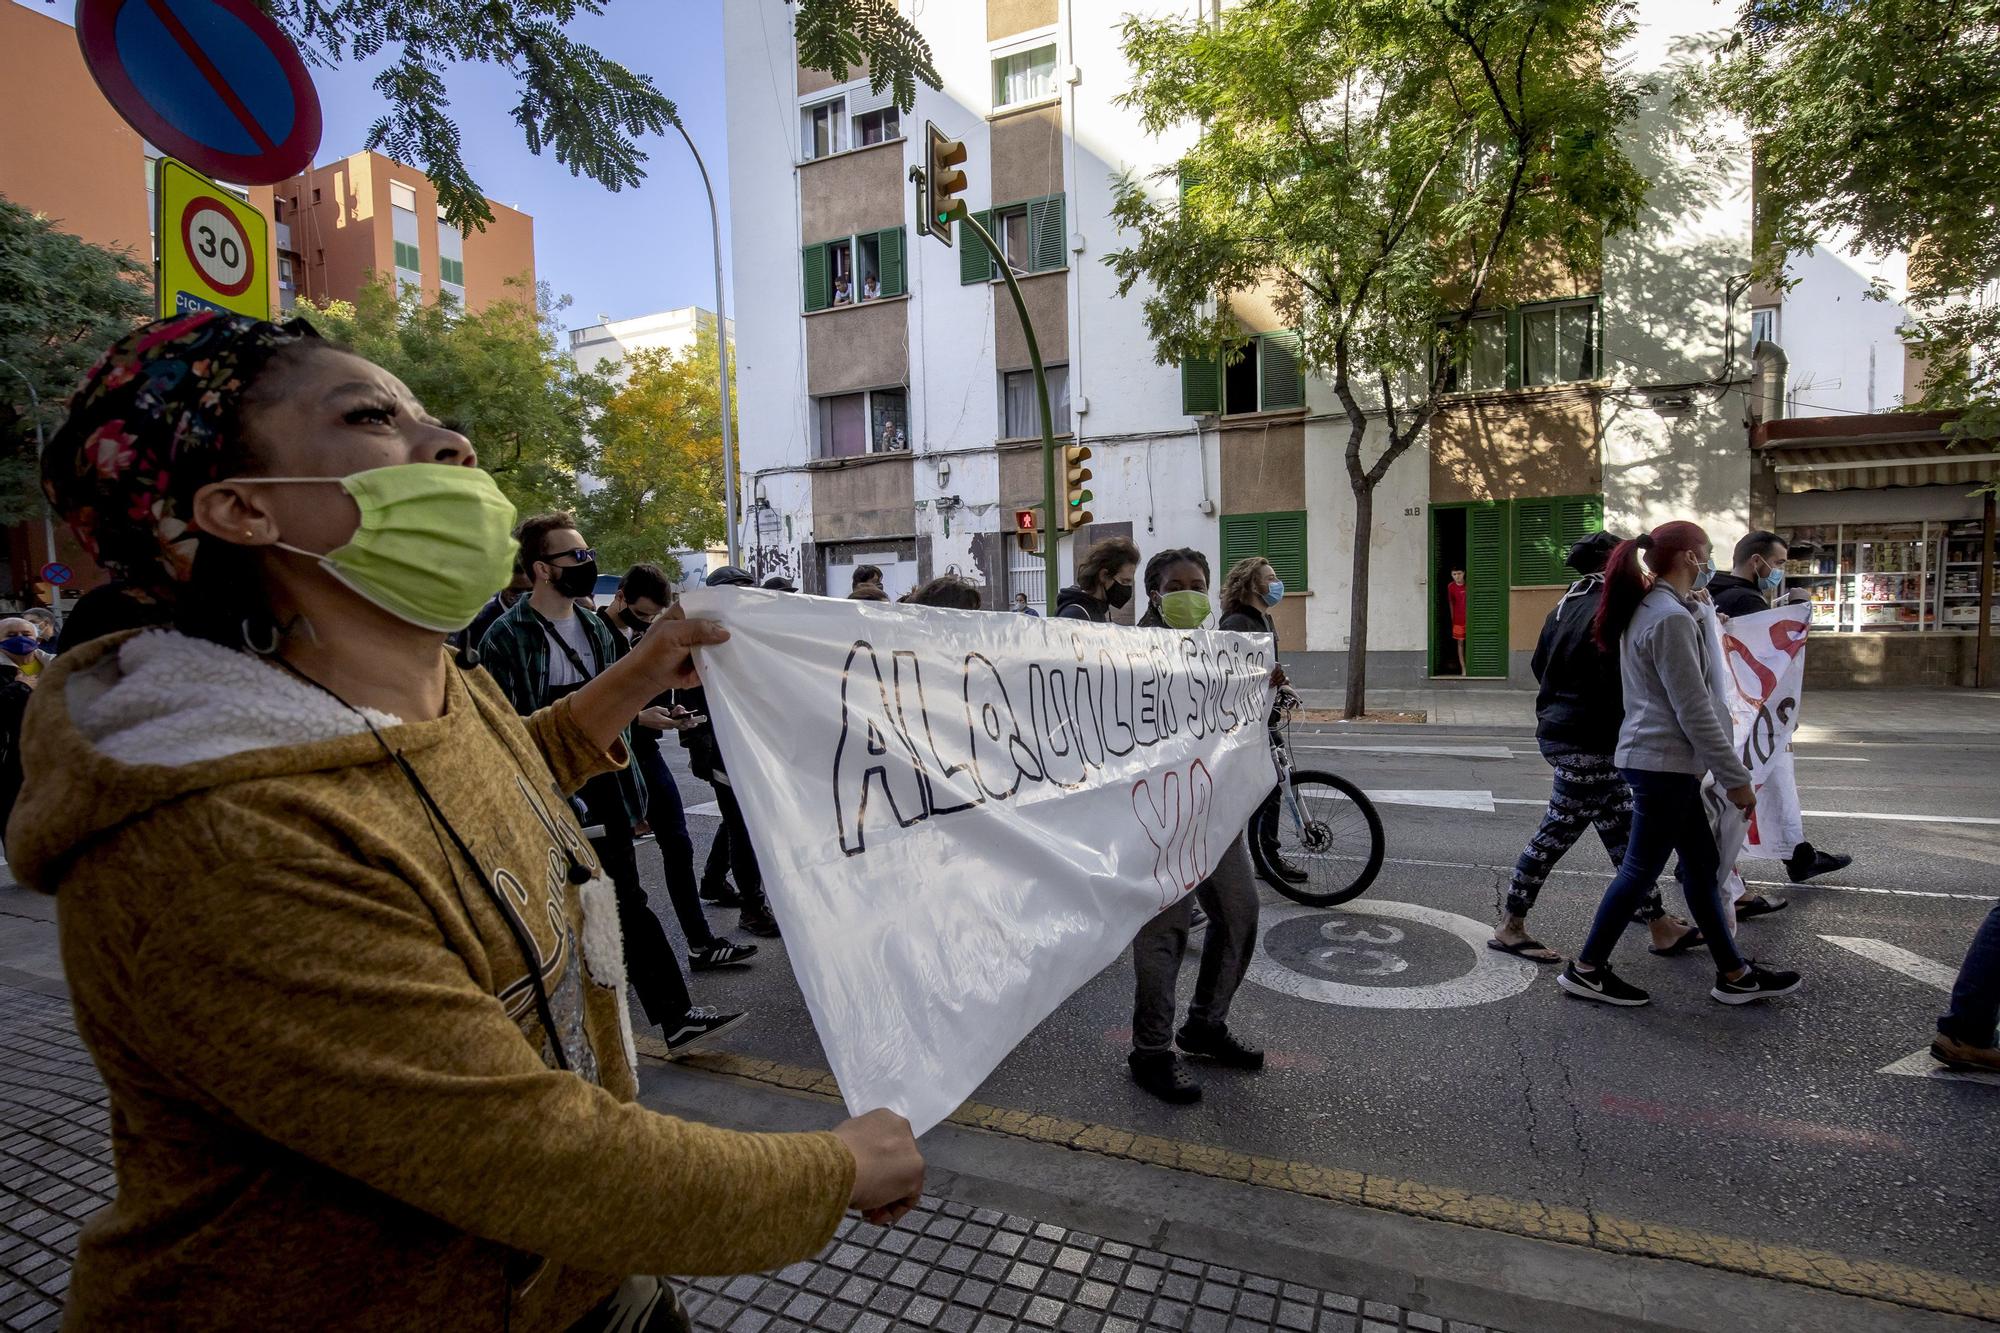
{"x": 963, "y": 816}
{"x": 1765, "y": 660}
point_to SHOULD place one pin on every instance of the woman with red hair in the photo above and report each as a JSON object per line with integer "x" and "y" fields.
{"x": 1675, "y": 731}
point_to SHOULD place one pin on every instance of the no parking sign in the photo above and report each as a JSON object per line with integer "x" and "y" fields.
{"x": 212, "y": 247}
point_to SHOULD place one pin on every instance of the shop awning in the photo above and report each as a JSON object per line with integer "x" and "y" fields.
{"x": 1870, "y": 452}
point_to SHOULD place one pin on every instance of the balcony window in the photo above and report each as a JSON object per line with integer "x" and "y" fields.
{"x": 1020, "y": 417}
{"x": 824, "y": 129}
{"x": 1559, "y": 343}
{"x": 876, "y": 127}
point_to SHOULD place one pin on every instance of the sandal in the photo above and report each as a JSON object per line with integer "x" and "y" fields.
{"x": 1694, "y": 939}
{"x": 1762, "y": 904}
{"x": 1526, "y": 949}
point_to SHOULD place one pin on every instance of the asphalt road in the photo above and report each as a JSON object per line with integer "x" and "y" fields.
{"x": 1770, "y": 1123}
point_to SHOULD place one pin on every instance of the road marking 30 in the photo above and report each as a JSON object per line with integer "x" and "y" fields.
{"x": 1918, "y": 968}
{"x": 1494, "y": 975}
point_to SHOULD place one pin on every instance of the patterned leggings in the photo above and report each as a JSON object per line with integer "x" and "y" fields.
{"x": 1588, "y": 791}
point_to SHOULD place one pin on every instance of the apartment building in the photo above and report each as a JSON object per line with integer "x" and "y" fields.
{"x": 669, "y": 331}
{"x": 365, "y": 215}
{"x": 887, "y": 417}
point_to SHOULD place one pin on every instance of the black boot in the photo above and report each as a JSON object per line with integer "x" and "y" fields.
{"x": 1165, "y": 1075}
{"x": 1218, "y": 1043}
{"x": 1282, "y": 868}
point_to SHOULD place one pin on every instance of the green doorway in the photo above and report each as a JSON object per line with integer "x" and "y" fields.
{"x": 1471, "y": 537}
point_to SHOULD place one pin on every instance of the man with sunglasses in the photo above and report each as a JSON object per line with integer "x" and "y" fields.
{"x": 545, "y": 647}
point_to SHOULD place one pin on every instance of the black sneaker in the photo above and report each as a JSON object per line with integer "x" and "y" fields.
{"x": 1808, "y": 863}
{"x": 1165, "y": 1075}
{"x": 722, "y": 953}
{"x": 761, "y": 924}
{"x": 1219, "y": 1044}
{"x": 1759, "y": 983}
{"x": 722, "y": 895}
{"x": 697, "y": 1026}
{"x": 1601, "y": 984}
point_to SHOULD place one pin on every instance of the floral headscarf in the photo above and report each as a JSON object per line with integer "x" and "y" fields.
{"x": 149, "y": 426}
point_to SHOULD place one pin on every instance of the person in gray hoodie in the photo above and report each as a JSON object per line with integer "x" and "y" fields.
{"x": 1673, "y": 733}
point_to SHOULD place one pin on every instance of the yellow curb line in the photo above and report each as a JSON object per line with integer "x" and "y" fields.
{"x": 1871, "y": 1278}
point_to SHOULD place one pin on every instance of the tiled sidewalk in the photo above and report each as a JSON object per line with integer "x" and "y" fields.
{"x": 946, "y": 1266}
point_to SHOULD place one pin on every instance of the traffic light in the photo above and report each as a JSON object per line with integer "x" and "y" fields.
{"x": 943, "y": 181}
{"x": 1075, "y": 497}
{"x": 1027, "y": 531}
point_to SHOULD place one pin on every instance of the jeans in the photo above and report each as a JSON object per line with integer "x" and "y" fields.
{"x": 1975, "y": 998}
{"x": 1268, "y": 824}
{"x": 742, "y": 856}
{"x": 1588, "y": 791}
{"x": 1229, "y": 896}
{"x": 649, "y": 956}
{"x": 1667, "y": 817}
{"x": 715, "y": 870}
{"x": 669, "y": 820}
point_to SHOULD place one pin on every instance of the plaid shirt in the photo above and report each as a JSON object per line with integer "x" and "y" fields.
{"x": 515, "y": 652}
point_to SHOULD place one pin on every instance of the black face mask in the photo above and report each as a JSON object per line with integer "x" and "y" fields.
{"x": 576, "y": 580}
{"x": 632, "y": 621}
{"x": 1119, "y": 594}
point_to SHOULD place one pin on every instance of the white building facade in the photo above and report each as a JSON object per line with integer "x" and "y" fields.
{"x": 884, "y": 416}
{"x": 669, "y": 331}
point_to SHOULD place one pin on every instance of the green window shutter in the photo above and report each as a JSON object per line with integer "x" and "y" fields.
{"x": 1048, "y": 240}
{"x": 1577, "y": 516}
{"x": 1535, "y": 558}
{"x": 889, "y": 259}
{"x": 975, "y": 264}
{"x": 1201, "y": 386}
{"x": 1279, "y": 538}
{"x": 1486, "y": 590}
{"x": 1285, "y": 547}
{"x": 819, "y": 294}
{"x": 1242, "y": 537}
{"x": 1278, "y": 367}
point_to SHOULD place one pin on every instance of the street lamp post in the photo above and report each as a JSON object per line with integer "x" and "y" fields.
{"x": 48, "y": 522}
{"x": 721, "y": 356}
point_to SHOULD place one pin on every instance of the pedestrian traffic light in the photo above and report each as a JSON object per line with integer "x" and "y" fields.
{"x": 1075, "y": 497}
{"x": 944, "y": 182}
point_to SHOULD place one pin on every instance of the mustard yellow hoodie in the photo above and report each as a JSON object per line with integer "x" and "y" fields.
{"x": 333, "y": 1103}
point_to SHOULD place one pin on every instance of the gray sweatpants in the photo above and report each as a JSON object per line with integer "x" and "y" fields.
{"x": 1229, "y": 896}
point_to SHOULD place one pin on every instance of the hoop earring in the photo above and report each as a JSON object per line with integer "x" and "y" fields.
{"x": 261, "y": 651}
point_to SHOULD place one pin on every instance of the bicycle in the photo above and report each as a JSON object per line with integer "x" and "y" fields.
{"x": 1321, "y": 823}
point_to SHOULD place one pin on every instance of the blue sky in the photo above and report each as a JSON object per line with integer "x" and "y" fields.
{"x": 623, "y": 254}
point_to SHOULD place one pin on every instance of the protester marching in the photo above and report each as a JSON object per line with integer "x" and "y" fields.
{"x": 419, "y": 752}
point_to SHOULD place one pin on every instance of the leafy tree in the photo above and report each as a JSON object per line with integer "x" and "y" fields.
{"x": 62, "y": 302}
{"x": 1376, "y": 169}
{"x": 659, "y": 458}
{"x": 498, "y": 374}
{"x": 591, "y": 110}
{"x": 1877, "y": 122}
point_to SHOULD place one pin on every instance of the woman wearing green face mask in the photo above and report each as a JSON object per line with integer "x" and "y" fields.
{"x": 349, "y": 969}
{"x": 1176, "y": 583}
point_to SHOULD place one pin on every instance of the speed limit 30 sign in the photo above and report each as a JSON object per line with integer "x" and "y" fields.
{"x": 212, "y": 247}
{"x": 215, "y": 241}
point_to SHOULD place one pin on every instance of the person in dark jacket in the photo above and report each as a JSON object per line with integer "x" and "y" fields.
{"x": 1104, "y": 577}
{"x": 1753, "y": 584}
{"x": 545, "y": 648}
{"x": 1177, "y": 597}
{"x": 1249, "y": 590}
{"x": 642, "y": 598}
{"x": 705, "y": 758}
{"x": 1577, "y": 714}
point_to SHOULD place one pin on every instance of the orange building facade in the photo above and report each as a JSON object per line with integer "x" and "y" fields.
{"x": 365, "y": 214}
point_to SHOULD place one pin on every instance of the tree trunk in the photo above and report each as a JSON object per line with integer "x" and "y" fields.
{"x": 1357, "y": 604}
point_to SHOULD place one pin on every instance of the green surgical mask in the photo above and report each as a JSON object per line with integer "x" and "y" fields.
{"x": 1184, "y": 610}
{"x": 435, "y": 541}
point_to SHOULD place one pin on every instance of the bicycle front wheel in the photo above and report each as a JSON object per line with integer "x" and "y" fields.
{"x": 1325, "y": 828}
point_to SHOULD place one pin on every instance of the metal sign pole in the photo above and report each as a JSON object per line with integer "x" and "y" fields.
{"x": 1052, "y": 516}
